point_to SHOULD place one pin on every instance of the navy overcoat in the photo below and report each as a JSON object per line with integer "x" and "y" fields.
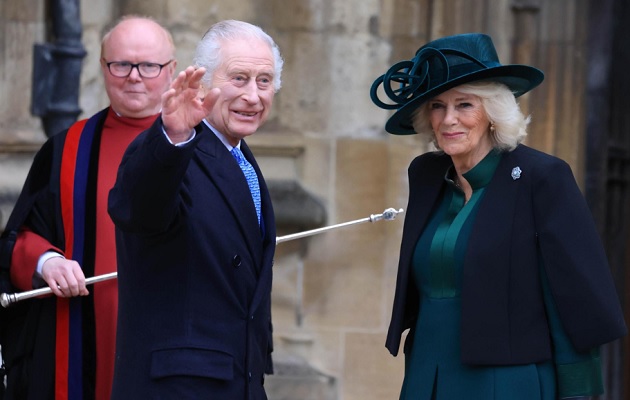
{"x": 194, "y": 272}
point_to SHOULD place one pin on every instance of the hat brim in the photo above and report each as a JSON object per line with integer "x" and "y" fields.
{"x": 520, "y": 79}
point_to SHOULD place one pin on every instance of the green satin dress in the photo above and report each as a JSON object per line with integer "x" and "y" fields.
{"x": 433, "y": 367}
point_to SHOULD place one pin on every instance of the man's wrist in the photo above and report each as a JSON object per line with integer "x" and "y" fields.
{"x": 45, "y": 257}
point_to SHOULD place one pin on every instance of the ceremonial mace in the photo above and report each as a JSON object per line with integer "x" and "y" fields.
{"x": 6, "y": 299}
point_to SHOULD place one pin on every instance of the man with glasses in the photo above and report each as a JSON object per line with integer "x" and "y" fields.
{"x": 64, "y": 234}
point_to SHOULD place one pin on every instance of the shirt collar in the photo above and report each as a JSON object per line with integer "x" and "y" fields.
{"x": 221, "y": 137}
{"x": 481, "y": 174}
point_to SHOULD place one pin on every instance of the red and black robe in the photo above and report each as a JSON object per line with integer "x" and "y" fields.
{"x": 67, "y": 346}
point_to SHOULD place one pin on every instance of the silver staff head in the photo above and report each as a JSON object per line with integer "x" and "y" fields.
{"x": 389, "y": 214}
{"x": 6, "y": 299}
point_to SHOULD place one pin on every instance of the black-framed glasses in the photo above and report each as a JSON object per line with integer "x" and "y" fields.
{"x": 122, "y": 69}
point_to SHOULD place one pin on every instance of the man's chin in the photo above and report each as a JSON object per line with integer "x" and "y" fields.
{"x": 244, "y": 131}
{"x": 140, "y": 110}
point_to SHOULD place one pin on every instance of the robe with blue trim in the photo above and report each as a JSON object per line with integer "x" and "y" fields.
{"x": 69, "y": 350}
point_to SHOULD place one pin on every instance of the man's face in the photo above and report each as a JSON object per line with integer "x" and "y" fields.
{"x": 136, "y": 41}
{"x": 245, "y": 78}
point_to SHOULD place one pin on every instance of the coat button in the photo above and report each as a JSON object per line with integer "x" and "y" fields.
{"x": 236, "y": 261}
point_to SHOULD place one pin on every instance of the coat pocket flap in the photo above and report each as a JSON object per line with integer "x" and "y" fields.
{"x": 187, "y": 361}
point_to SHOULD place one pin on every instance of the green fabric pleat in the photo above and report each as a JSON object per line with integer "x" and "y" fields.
{"x": 442, "y": 251}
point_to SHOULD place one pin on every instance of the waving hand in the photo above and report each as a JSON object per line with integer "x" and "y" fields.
{"x": 185, "y": 105}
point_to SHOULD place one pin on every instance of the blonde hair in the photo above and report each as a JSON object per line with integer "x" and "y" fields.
{"x": 500, "y": 106}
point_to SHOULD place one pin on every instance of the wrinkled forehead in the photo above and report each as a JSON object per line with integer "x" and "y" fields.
{"x": 246, "y": 54}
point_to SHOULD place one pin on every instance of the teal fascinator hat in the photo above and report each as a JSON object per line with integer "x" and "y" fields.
{"x": 441, "y": 65}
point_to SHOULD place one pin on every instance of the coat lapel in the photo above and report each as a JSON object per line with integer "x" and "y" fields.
{"x": 425, "y": 180}
{"x": 221, "y": 167}
{"x": 268, "y": 236}
{"x": 497, "y": 205}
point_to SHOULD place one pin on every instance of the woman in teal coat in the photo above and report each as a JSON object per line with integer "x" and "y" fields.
{"x": 503, "y": 282}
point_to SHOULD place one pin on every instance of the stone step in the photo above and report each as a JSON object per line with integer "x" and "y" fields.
{"x": 295, "y": 379}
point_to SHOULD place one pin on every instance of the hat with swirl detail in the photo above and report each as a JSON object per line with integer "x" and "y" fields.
{"x": 441, "y": 65}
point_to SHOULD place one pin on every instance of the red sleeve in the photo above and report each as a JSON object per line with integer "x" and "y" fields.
{"x": 29, "y": 246}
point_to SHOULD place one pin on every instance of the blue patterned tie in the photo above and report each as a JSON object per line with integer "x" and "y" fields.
{"x": 250, "y": 175}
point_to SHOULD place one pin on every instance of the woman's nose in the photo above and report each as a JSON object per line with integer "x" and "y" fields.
{"x": 450, "y": 117}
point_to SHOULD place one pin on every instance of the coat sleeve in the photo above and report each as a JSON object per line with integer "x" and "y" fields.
{"x": 578, "y": 374}
{"x": 34, "y": 225}
{"x": 29, "y": 247}
{"x": 580, "y": 281}
{"x": 146, "y": 196}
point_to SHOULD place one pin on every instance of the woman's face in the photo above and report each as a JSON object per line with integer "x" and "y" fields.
{"x": 460, "y": 125}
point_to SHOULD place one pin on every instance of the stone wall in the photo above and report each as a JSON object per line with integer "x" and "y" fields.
{"x": 332, "y": 292}
{"x": 21, "y": 25}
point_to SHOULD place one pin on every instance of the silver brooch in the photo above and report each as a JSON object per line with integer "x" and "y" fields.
{"x": 516, "y": 173}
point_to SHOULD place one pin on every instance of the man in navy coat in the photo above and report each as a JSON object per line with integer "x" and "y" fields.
{"x": 195, "y": 243}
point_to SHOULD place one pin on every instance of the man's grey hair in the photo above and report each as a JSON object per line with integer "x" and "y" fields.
{"x": 208, "y": 53}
